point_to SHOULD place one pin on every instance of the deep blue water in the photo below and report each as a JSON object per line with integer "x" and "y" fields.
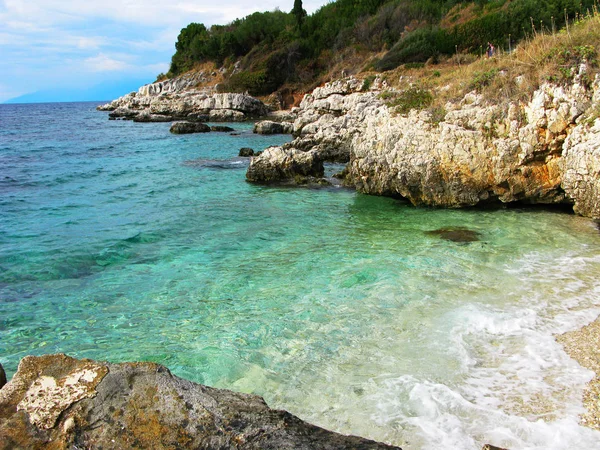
{"x": 120, "y": 241}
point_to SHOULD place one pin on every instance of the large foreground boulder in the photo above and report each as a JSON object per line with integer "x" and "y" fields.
{"x": 58, "y": 402}
{"x": 277, "y": 164}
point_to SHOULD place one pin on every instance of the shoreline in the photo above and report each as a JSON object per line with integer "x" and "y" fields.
{"x": 583, "y": 345}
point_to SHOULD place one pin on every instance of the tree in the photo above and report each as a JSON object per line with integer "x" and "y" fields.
{"x": 299, "y": 13}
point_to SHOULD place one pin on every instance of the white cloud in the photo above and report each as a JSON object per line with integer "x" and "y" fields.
{"x": 90, "y": 42}
{"x": 104, "y": 63}
{"x": 44, "y": 42}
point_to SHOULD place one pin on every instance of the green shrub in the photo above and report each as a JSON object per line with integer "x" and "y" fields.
{"x": 482, "y": 79}
{"x": 367, "y": 83}
{"x": 252, "y": 82}
{"x": 417, "y": 46}
{"x": 404, "y": 101}
{"x": 438, "y": 114}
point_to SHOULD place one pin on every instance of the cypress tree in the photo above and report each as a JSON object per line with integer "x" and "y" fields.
{"x": 299, "y": 13}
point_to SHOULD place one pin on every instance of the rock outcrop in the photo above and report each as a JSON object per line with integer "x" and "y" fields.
{"x": 178, "y": 99}
{"x": 270, "y": 127}
{"x": 277, "y": 164}
{"x": 59, "y": 402}
{"x": 184, "y": 127}
{"x": 478, "y": 154}
{"x": 546, "y": 151}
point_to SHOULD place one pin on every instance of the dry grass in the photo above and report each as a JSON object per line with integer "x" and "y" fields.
{"x": 544, "y": 56}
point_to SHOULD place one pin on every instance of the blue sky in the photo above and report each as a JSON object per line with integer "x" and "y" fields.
{"x": 72, "y": 45}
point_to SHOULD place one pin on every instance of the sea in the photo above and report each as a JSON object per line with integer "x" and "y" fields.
{"x": 120, "y": 241}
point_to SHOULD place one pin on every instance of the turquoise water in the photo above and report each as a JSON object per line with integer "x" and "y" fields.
{"x": 120, "y": 241}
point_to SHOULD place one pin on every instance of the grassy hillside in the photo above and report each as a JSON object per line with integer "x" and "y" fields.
{"x": 275, "y": 50}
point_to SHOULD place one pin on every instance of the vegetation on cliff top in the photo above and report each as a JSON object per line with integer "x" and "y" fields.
{"x": 275, "y": 49}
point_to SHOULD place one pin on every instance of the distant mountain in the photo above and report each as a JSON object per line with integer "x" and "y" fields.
{"x": 107, "y": 90}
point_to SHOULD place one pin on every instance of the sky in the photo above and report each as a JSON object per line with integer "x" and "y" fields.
{"x": 72, "y": 48}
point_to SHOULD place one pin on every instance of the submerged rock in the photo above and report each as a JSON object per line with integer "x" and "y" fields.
{"x": 189, "y": 127}
{"x": 2, "y": 376}
{"x": 246, "y": 152}
{"x": 277, "y": 164}
{"x": 221, "y": 129}
{"x": 456, "y": 234}
{"x": 56, "y": 401}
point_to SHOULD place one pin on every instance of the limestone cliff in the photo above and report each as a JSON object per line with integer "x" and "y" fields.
{"x": 544, "y": 151}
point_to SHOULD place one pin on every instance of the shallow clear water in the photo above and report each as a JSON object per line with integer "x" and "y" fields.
{"x": 120, "y": 241}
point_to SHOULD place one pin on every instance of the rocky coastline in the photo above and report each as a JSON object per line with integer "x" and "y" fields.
{"x": 545, "y": 151}
{"x": 56, "y": 401}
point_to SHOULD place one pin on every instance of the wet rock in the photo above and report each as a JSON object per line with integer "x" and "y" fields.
{"x": 456, "y": 234}
{"x": 2, "y": 376}
{"x": 246, "y": 152}
{"x": 270, "y": 127}
{"x": 183, "y": 127}
{"x": 277, "y": 164}
{"x": 221, "y": 129}
{"x": 56, "y": 401}
{"x": 152, "y": 118}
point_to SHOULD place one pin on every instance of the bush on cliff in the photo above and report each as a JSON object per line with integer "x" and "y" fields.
{"x": 274, "y": 48}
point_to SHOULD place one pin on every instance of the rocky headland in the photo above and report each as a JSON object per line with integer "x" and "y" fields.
{"x": 180, "y": 99}
{"x": 544, "y": 151}
{"x": 58, "y": 402}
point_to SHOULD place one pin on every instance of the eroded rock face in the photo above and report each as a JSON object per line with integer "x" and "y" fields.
{"x": 478, "y": 154}
{"x": 581, "y": 176}
{"x": 277, "y": 164}
{"x": 546, "y": 151}
{"x": 59, "y": 402}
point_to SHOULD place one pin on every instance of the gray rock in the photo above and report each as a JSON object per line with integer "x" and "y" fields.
{"x": 2, "y": 376}
{"x": 246, "y": 152}
{"x": 276, "y": 164}
{"x": 180, "y": 99}
{"x": 56, "y": 401}
{"x": 221, "y": 128}
{"x": 227, "y": 115}
{"x": 152, "y": 118}
{"x": 183, "y": 127}
{"x": 270, "y": 127}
